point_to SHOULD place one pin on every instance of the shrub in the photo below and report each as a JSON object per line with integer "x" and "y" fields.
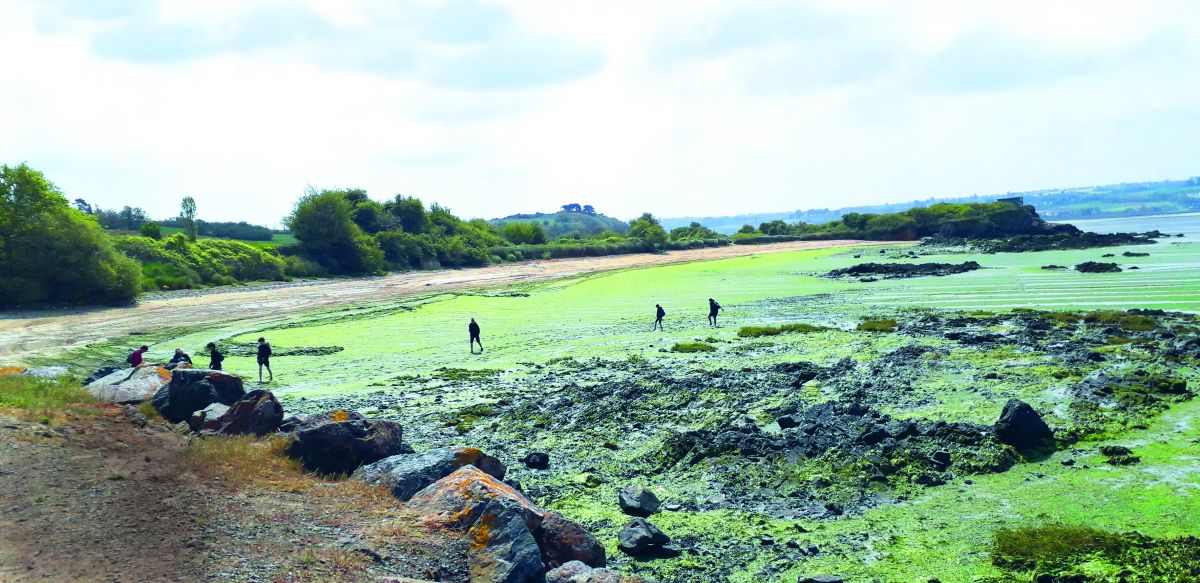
{"x": 877, "y": 326}
{"x": 151, "y": 230}
{"x": 52, "y": 253}
{"x": 693, "y": 347}
{"x": 300, "y": 267}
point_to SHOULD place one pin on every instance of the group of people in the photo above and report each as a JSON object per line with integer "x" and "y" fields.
{"x": 216, "y": 358}
{"x": 137, "y": 358}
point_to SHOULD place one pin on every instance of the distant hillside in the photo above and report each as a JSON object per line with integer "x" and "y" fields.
{"x": 1113, "y": 200}
{"x": 568, "y": 223}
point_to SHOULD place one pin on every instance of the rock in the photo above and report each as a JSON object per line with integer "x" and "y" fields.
{"x": 643, "y": 540}
{"x": 902, "y": 270}
{"x": 941, "y": 458}
{"x": 191, "y": 390}
{"x": 562, "y": 541}
{"x": 407, "y": 474}
{"x": 100, "y": 373}
{"x": 1096, "y": 267}
{"x": 577, "y": 572}
{"x": 498, "y": 520}
{"x": 537, "y": 460}
{"x": 637, "y": 501}
{"x": 47, "y": 372}
{"x": 209, "y": 413}
{"x": 336, "y": 446}
{"x": 258, "y": 413}
{"x": 1022, "y": 427}
{"x": 297, "y": 423}
{"x": 129, "y": 385}
{"x": 820, "y": 579}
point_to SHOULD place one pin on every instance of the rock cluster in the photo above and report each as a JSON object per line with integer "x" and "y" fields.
{"x": 193, "y": 389}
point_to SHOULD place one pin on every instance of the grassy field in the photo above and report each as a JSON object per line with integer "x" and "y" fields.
{"x": 406, "y": 359}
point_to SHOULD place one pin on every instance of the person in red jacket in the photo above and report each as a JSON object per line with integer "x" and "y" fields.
{"x": 135, "y": 359}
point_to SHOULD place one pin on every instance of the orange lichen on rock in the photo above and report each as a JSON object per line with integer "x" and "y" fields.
{"x": 8, "y": 371}
{"x": 481, "y": 533}
{"x": 467, "y": 456}
{"x": 340, "y": 416}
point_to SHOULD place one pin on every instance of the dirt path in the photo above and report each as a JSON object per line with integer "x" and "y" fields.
{"x": 31, "y": 333}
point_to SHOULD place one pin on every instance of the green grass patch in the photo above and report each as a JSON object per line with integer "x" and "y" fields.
{"x": 1061, "y": 551}
{"x": 759, "y": 331}
{"x": 43, "y": 398}
{"x": 877, "y": 326}
{"x": 693, "y": 347}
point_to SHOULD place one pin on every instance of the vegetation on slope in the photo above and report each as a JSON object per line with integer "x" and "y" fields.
{"x": 566, "y": 223}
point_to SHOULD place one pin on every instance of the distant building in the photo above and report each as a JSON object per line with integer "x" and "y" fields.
{"x": 1013, "y": 200}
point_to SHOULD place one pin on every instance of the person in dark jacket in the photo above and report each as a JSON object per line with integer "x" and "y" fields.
{"x": 264, "y": 359}
{"x": 215, "y": 358}
{"x": 713, "y": 308}
{"x": 658, "y": 316}
{"x": 179, "y": 358}
{"x": 473, "y": 328}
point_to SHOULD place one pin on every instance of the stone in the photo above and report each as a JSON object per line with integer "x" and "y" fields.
{"x": 820, "y": 579}
{"x": 407, "y": 474}
{"x": 100, "y": 373}
{"x": 47, "y": 372}
{"x": 537, "y": 460}
{"x": 637, "y": 501}
{"x": 641, "y": 539}
{"x": 1022, "y": 427}
{"x": 577, "y": 572}
{"x": 296, "y": 423}
{"x": 129, "y": 385}
{"x": 193, "y": 389}
{"x": 562, "y": 541}
{"x": 209, "y": 413}
{"x": 258, "y": 413}
{"x": 335, "y": 447}
{"x": 498, "y": 520}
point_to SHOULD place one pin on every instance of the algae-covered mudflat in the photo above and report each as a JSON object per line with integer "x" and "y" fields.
{"x": 572, "y": 369}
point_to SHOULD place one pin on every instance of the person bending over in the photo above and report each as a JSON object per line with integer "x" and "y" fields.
{"x": 713, "y": 308}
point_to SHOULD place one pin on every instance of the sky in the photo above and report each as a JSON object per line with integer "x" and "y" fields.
{"x": 690, "y": 107}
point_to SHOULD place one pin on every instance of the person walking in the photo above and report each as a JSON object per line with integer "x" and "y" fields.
{"x": 713, "y": 308}
{"x": 264, "y": 359}
{"x": 215, "y": 358}
{"x": 658, "y": 316}
{"x": 473, "y": 328}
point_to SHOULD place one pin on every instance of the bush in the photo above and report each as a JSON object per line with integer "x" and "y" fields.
{"x": 877, "y": 326}
{"x": 693, "y": 347}
{"x": 151, "y": 230}
{"x": 51, "y": 253}
{"x": 176, "y": 263}
{"x": 300, "y": 267}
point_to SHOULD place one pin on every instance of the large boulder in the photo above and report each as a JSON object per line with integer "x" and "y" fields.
{"x": 340, "y": 446}
{"x": 643, "y": 540}
{"x": 637, "y": 501}
{"x": 207, "y": 415}
{"x": 1022, "y": 427}
{"x": 407, "y": 474}
{"x": 499, "y": 522}
{"x": 563, "y": 541}
{"x": 193, "y": 389}
{"x": 578, "y": 572}
{"x": 129, "y": 385}
{"x": 297, "y": 423}
{"x": 258, "y": 413}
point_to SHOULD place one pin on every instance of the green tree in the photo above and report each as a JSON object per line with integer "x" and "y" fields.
{"x": 52, "y": 253}
{"x": 409, "y": 211}
{"x": 324, "y": 227}
{"x": 151, "y": 230}
{"x": 648, "y": 229}
{"x": 524, "y": 233}
{"x": 187, "y": 217}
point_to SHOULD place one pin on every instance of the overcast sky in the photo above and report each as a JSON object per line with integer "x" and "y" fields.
{"x": 679, "y": 108}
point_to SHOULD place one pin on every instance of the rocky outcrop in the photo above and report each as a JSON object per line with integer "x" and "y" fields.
{"x": 499, "y": 522}
{"x": 258, "y": 413}
{"x": 338, "y": 445}
{"x": 637, "y": 501}
{"x": 1097, "y": 267}
{"x": 129, "y": 385}
{"x": 1022, "y": 427}
{"x": 407, "y": 474}
{"x": 903, "y": 270}
{"x": 643, "y": 540}
{"x": 562, "y": 541}
{"x": 191, "y": 390}
{"x": 577, "y": 572}
{"x": 509, "y": 538}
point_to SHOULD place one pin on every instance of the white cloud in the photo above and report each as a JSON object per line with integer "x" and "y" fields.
{"x": 674, "y": 107}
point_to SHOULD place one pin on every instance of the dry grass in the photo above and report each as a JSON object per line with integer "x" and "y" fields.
{"x": 240, "y": 461}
